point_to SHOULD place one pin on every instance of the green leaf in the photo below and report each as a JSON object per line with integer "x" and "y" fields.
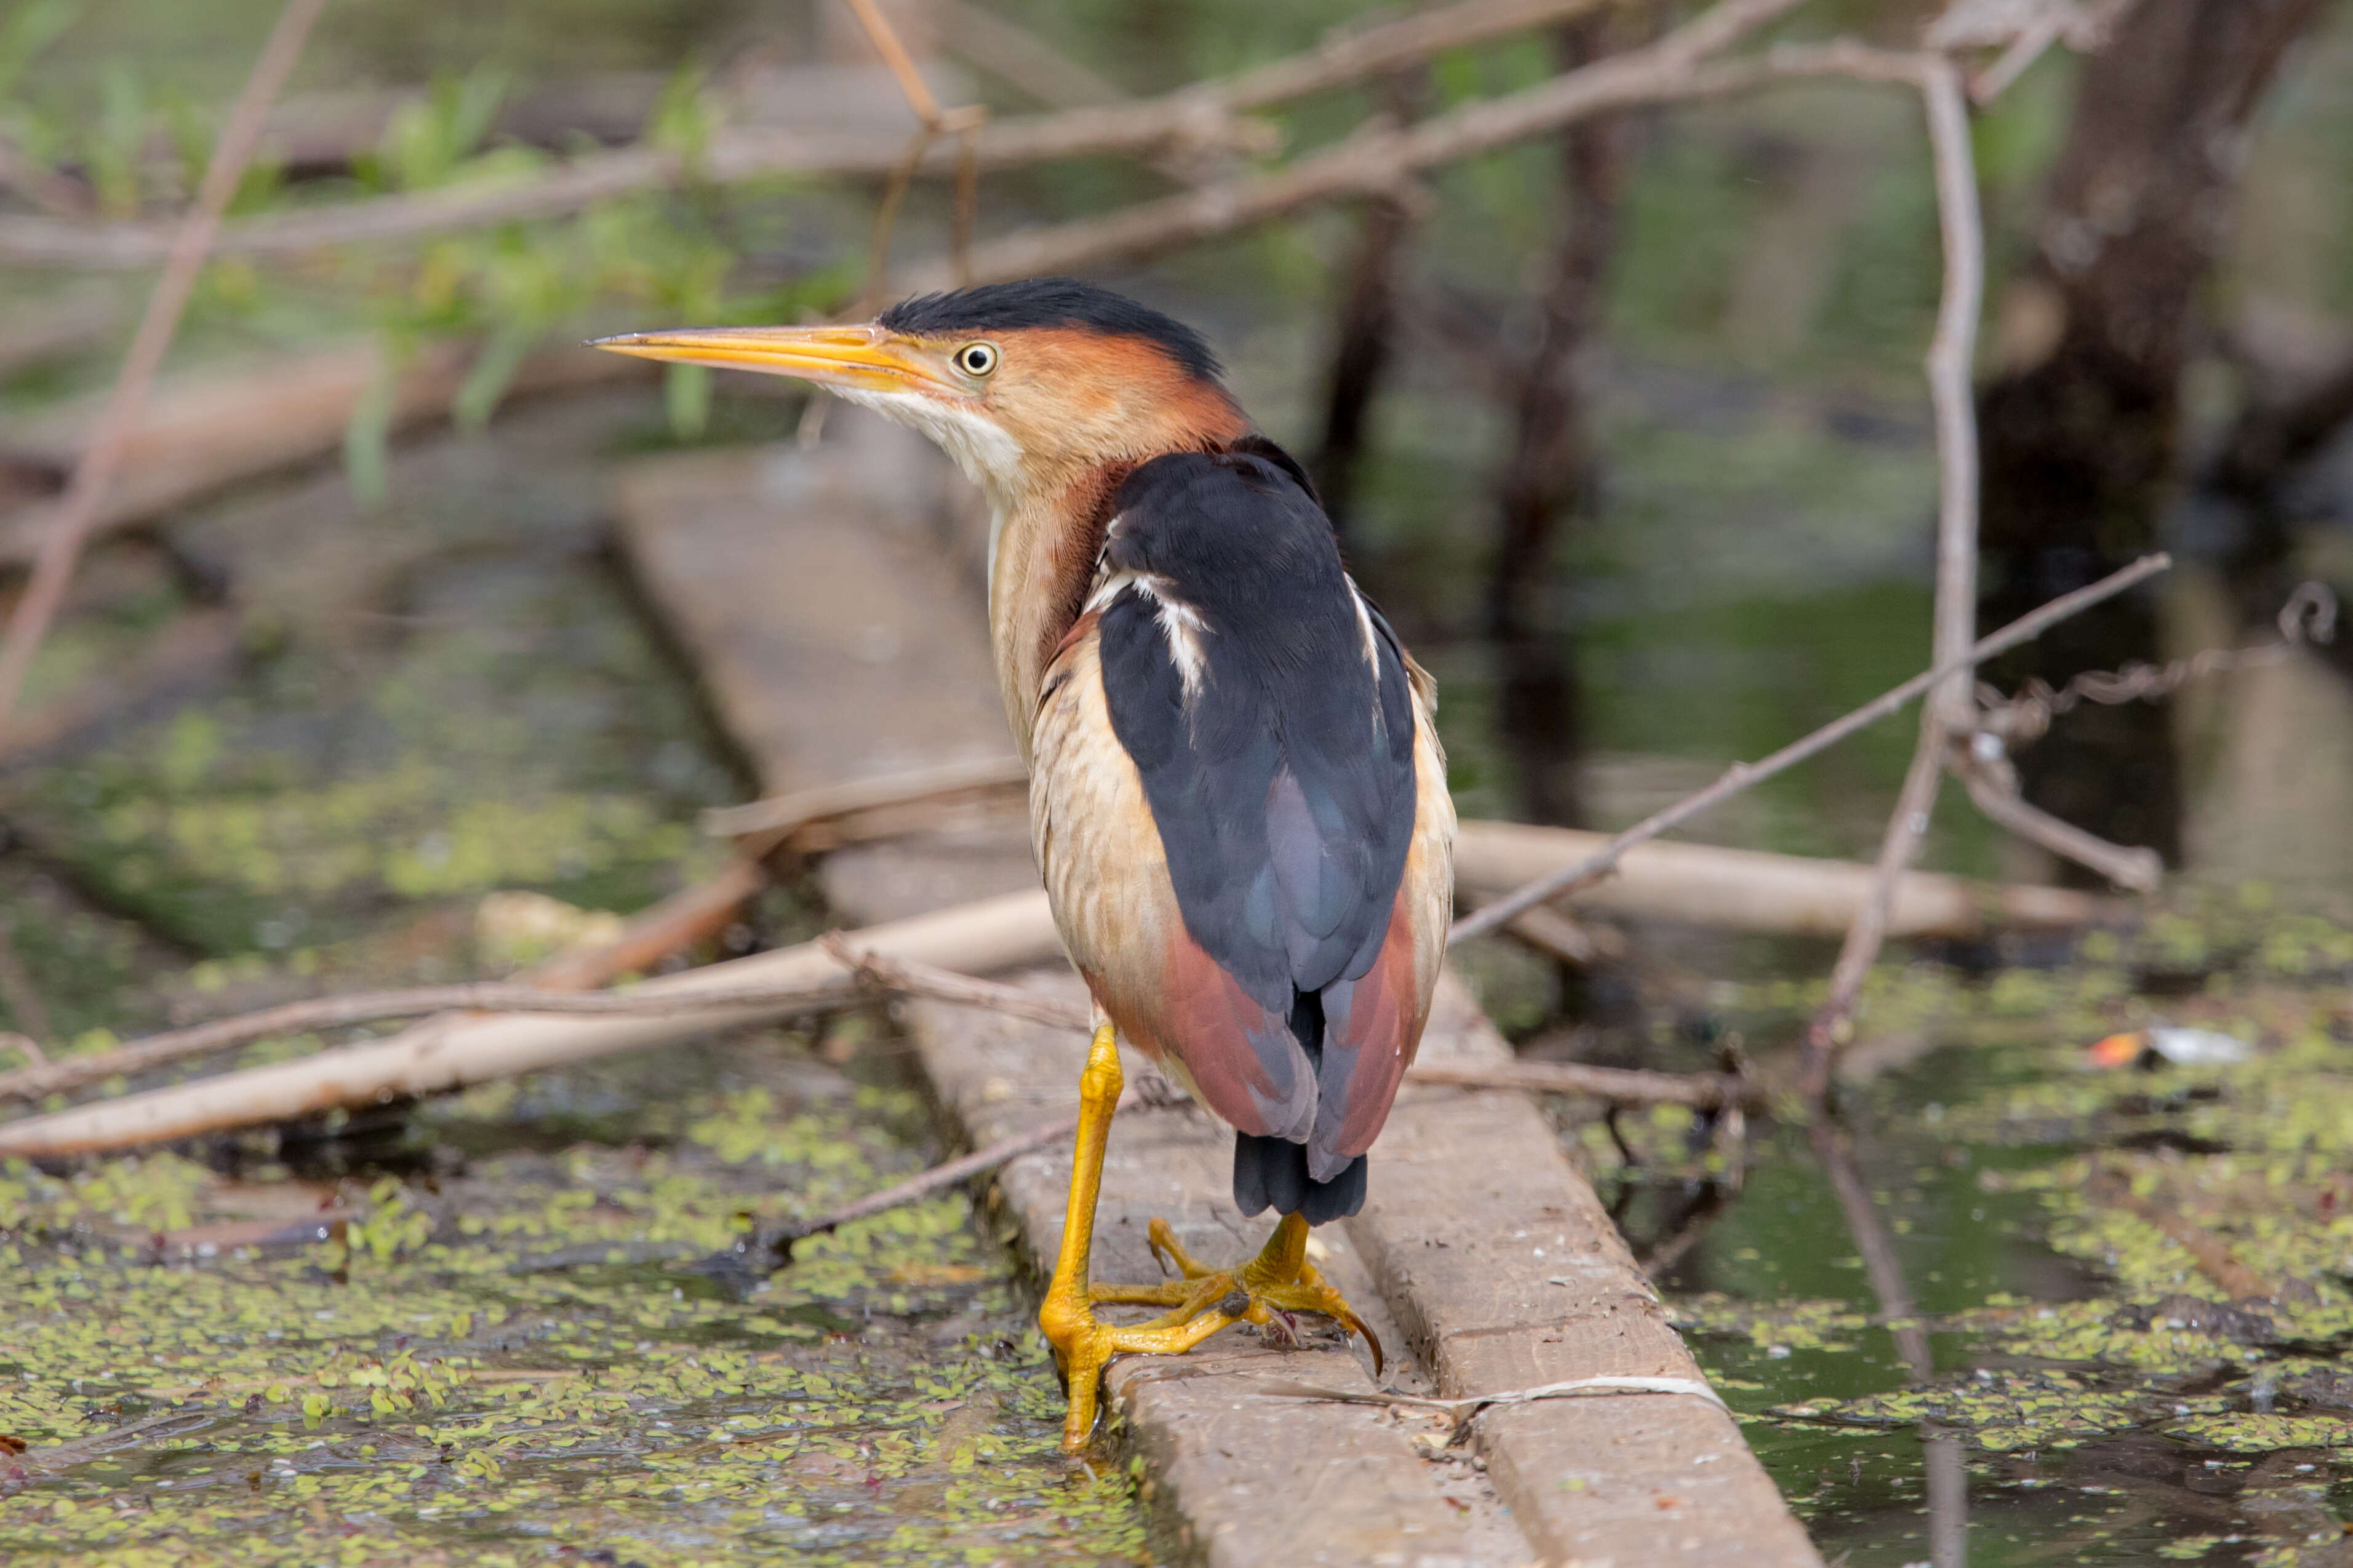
{"x": 492, "y": 372}
{"x": 682, "y": 119}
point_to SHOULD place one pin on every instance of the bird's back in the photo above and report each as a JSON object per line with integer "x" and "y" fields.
{"x": 1239, "y": 807}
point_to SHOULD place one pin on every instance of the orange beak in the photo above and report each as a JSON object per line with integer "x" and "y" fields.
{"x": 865, "y": 359}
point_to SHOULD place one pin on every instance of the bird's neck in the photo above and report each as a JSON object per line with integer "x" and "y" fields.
{"x": 1043, "y": 544}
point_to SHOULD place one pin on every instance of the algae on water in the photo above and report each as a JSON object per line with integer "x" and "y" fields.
{"x": 490, "y": 1367}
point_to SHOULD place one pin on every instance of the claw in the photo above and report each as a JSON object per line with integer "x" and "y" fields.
{"x": 1203, "y": 1301}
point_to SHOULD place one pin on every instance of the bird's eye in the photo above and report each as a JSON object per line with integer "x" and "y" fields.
{"x": 977, "y": 358}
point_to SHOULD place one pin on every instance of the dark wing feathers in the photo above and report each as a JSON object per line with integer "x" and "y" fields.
{"x": 1269, "y": 717}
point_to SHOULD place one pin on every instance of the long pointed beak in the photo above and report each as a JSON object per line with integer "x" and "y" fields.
{"x": 866, "y": 358}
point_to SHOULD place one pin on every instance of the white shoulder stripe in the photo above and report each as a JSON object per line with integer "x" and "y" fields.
{"x": 1180, "y": 623}
{"x": 1372, "y": 649}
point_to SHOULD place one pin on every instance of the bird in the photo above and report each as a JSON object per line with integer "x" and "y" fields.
{"x": 1238, "y": 797}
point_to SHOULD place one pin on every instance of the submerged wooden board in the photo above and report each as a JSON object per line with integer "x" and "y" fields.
{"x": 833, "y": 628}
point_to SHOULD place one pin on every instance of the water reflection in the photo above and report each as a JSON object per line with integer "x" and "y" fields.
{"x": 1948, "y": 1475}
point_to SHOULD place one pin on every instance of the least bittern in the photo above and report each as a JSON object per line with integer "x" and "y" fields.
{"x": 1237, "y": 796}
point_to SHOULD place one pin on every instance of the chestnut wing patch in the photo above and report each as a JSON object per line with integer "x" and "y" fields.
{"x": 1268, "y": 713}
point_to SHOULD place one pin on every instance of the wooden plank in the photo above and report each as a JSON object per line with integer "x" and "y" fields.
{"x": 1239, "y": 1478}
{"x": 1509, "y": 1275}
{"x": 769, "y": 566}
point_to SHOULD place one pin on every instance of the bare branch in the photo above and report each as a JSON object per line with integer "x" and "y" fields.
{"x": 1906, "y": 825}
{"x": 378, "y": 1006}
{"x": 652, "y": 934}
{"x": 1618, "y": 1086}
{"x": 1204, "y": 114}
{"x": 885, "y": 39}
{"x": 1741, "y": 776}
{"x": 914, "y": 979}
{"x": 28, "y": 624}
{"x": 451, "y": 1052}
{"x": 963, "y": 124}
{"x": 832, "y": 814}
{"x": 1993, "y": 789}
{"x": 777, "y": 1246}
{"x": 1379, "y": 159}
{"x": 686, "y": 917}
{"x": 1950, "y": 711}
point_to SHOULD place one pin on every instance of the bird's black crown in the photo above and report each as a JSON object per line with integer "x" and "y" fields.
{"x": 1049, "y": 302}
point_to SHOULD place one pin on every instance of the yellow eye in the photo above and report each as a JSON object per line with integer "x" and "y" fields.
{"x": 976, "y": 360}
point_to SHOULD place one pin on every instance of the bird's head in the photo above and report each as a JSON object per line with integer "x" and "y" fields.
{"x": 1028, "y": 385}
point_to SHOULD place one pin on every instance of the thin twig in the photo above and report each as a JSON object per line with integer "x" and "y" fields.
{"x": 1618, "y": 1086}
{"x": 1833, "y": 1024}
{"x": 1475, "y": 1404}
{"x": 912, "y": 979}
{"x": 378, "y": 1006}
{"x": 678, "y": 922}
{"x": 2000, "y": 726}
{"x": 53, "y": 569}
{"x": 764, "y": 825}
{"x": 1993, "y": 790}
{"x": 774, "y": 1248}
{"x": 648, "y": 936}
{"x": 885, "y": 39}
{"x": 1952, "y": 354}
{"x": 1950, "y": 711}
{"x": 1204, "y": 114}
{"x": 2032, "y": 42}
{"x": 1742, "y": 776}
{"x": 1379, "y": 159}
{"x": 933, "y": 123}
{"x": 453, "y": 1052}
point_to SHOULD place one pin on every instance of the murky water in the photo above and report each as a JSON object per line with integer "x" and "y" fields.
{"x": 507, "y": 1362}
{"x": 2070, "y": 1240}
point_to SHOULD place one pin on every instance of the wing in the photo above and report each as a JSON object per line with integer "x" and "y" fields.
{"x": 1277, "y": 747}
{"x": 1373, "y": 1023}
{"x": 1107, "y": 878}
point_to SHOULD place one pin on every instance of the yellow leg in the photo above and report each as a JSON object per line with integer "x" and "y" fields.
{"x": 1081, "y": 1344}
{"x": 1205, "y": 1300}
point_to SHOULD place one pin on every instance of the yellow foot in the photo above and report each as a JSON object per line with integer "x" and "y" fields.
{"x": 1279, "y": 1279}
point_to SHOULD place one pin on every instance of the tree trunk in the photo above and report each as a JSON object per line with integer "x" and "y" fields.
{"x": 1367, "y": 326}
{"x": 1550, "y": 472}
{"x": 2080, "y": 439}
{"x": 1360, "y": 357}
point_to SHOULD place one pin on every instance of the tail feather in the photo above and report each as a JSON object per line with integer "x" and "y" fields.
{"x": 1274, "y": 1173}
{"x": 1271, "y": 1172}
